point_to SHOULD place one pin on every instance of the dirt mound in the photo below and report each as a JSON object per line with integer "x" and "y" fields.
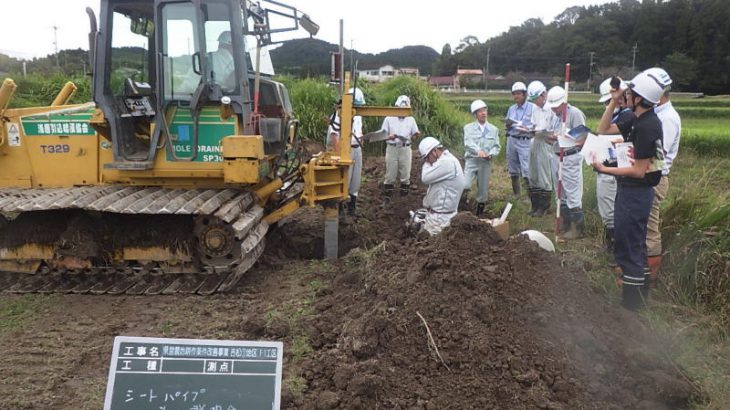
{"x": 513, "y": 330}
{"x": 511, "y": 327}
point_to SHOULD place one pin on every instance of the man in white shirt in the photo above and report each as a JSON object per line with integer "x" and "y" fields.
{"x": 398, "y": 157}
{"x": 444, "y": 176}
{"x": 540, "y": 170}
{"x": 672, "y": 130}
{"x": 481, "y": 145}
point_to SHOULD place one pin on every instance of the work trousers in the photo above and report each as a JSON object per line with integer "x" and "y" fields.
{"x": 572, "y": 192}
{"x": 355, "y": 170}
{"x": 540, "y": 170}
{"x": 398, "y": 165}
{"x": 481, "y": 169}
{"x": 606, "y": 197}
{"x": 631, "y": 216}
{"x": 518, "y": 156}
{"x": 653, "y": 229}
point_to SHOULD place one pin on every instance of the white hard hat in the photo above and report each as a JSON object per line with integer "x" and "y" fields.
{"x": 535, "y": 89}
{"x": 519, "y": 86}
{"x": 358, "y": 98}
{"x": 555, "y": 97}
{"x": 660, "y": 76}
{"x": 427, "y": 145}
{"x": 605, "y": 90}
{"x": 477, "y": 105}
{"x": 542, "y": 240}
{"x": 646, "y": 87}
{"x": 225, "y": 37}
{"x": 403, "y": 101}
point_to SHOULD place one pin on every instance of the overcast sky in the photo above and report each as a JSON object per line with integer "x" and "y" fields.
{"x": 370, "y": 26}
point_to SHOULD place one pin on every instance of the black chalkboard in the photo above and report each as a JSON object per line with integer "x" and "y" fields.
{"x": 184, "y": 374}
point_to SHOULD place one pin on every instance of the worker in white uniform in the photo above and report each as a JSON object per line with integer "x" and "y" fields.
{"x": 333, "y": 135}
{"x": 481, "y": 146}
{"x": 540, "y": 168}
{"x": 571, "y": 195}
{"x": 402, "y": 131}
{"x": 444, "y": 176}
{"x": 672, "y": 130}
{"x": 223, "y": 71}
{"x": 518, "y": 137}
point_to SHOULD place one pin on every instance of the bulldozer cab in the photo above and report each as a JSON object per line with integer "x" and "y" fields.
{"x": 164, "y": 60}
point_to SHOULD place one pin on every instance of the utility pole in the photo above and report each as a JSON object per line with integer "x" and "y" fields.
{"x": 633, "y": 59}
{"x": 590, "y": 71}
{"x": 55, "y": 46}
{"x": 486, "y": 74}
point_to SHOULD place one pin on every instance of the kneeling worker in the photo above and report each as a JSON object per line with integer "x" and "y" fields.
{"x": 444, "y": 176}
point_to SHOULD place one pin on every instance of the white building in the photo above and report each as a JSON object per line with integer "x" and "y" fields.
{"x": 386, "y": 72}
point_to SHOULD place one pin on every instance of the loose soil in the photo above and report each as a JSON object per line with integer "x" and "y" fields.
{"x": 462, "y": 320}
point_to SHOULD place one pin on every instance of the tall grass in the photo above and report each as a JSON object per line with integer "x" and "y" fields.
{"x": 38, "y": 91}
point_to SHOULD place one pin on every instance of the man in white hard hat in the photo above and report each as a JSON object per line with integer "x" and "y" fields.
{"x": 671, "y": 130}
{"x": 481, "y": 145}
{"x": 444, "y": 176}
{"x": 517, "y": 122}
{"x": 398, "y": 157}
{"x": 333, "y": 134}
{"x": 635, "y": 183}
{"x": 223, "y": 68}
{"x": 571, "y": 195}
{"x": 606, "y": 183}
{"x": 540, "y": 169}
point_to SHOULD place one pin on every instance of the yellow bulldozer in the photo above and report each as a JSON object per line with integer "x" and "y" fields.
{"x": 169, "y": 180}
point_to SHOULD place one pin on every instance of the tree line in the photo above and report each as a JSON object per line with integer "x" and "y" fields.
{"x": 689, "y": 38}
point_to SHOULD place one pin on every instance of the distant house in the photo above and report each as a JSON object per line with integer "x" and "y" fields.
{"x": 468, "y": 77}
{"x": 386, "y": 72}
{"x": 446, "y": 82}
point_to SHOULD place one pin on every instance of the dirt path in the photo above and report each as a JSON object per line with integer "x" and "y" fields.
{"x": 513, "y": 329}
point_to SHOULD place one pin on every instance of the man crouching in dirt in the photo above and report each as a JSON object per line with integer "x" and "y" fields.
{"x": 444, "y": 176}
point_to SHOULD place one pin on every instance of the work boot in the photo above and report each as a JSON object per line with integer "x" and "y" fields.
{"x": 387, "y": 193}
{"x": 632, "y": 297}
{"x": 352, "y": 205}
{"x": 543, "y": 202}
{"x": 480, "y": 209}
{"x": 404, "y": 188}
{"x": 534, "y": 202}
{"x": 655, "y": 264}
{"x": 526, "y": 181}
{"x": 516, "y": 186}
{"x": 608, "y": 240}
{"x": 575, "y": 230}
{"x": 564, "y": 218}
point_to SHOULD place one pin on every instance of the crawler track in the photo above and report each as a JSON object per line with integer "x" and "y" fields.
{"x": 211, "y": 236}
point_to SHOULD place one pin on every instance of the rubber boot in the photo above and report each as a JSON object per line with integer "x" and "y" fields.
{"x": 654, "y": 263}
{"x": 352, "y": 205}
{"x": 480, "y": 209}
{"x": 632, "y": 298}
{"x": 534, "y": 202}
{"x": 404, "y": 189}
{"x": 543, "y": 202}
{"x": 526, "y": 181}
{"x": 608, "y": 240}
{"x": 516, "y": 186}
{"x": 387, "y": 193}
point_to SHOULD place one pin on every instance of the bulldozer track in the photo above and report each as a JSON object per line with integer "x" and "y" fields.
{"x": 233, "y": 210}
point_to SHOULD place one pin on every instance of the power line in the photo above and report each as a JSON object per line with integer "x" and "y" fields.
{"x": 590, "y": 71}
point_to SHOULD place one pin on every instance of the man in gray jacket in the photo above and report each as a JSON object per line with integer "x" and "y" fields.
{"x": 445, "y": 179}
{"x": 481, "y": 144}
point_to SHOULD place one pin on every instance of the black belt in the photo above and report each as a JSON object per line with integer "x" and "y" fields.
{"x": 521, "y": 137}
{"x": 402, "y": 145}
{"x": 571, "y": 151}
{"x": 354, "y": 146}
{"x": 437, "y": 212}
